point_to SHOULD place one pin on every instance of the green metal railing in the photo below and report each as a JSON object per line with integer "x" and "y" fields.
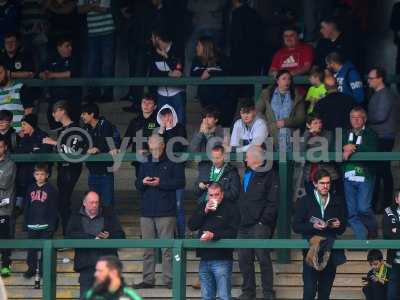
{"x": 179, "y": 249}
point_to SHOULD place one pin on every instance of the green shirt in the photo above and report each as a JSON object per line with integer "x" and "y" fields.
{"x": 123, "y": 293}
{"x": 314, "y": 94}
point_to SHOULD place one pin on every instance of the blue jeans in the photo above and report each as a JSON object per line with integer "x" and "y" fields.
{"x": 359, "y": 207}
{"x": 215, "y": 278}
{"x": 178, "y": 102}
{"x": 101, "y": 61}
{"x": 180, "y": 213}
{"x": 394, "y": 283}
{"x": 104, "y": 186}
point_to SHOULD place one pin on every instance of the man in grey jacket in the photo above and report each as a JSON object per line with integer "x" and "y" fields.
{"x": 382, "y": 119}
{"x": 7, "y": 202}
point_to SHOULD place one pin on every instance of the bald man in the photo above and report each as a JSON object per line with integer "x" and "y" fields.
{"x": 92, "y": 222}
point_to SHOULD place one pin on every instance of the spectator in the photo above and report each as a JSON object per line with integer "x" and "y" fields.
{"x": 15, "y": 58}
{"x": 68, "y": 173}
{"x": 207, "y": 21}
{"x": 142, "y": 19}
{"x": 210, "y": 63}
{"x": 382, "y": 119}
{"x": 100, "y": 43}
{"x": 31, "y": 141}
{"x": 376, "y": 282}
{"x": 258, "y": 205}
{"x": 158, "y": 180}
{"x": 210, "y": 133}
{"x": 92, "y": 221}
{"x": 321, "y": 207}
{"x": 313, "y": 12}
{"x": 316, "y": 137}
{"x": 395, "y": 27}
{"x": 101, "y": 176}
{"x": 142, "y": 125}
{"x": 215, "y": 219}
{"x": 334, "y": 40}
{"x": 246, "y": 47}
{"x": 7, "y": 202}
{"x": 249, "y": 130}
{"x": 9, "y": 16}
{"x": 40, "y": 214}
{"x": 391, "y": 231}
{"x": 63, "y": 66}
{"x": 348, "y": 79}
{"x": 6, "y": 131}
{"x": 317, "y": 91}
{"x": 167, "y": 63}
{"x": 221, "y": 172}
{"x": 283, "y": 108}
{"x": 359, "y": 177}
{"x": 13, "y": 98}
{"x": 295, "y": 56}
{"x": 170, "y": 130}
{"x": 34, "y": 29}
{"x": 109, "y": 281}
{"x": 335, "y": 107}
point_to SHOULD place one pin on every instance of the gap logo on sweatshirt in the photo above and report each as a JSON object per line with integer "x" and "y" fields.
{"x": 38, "y": 196}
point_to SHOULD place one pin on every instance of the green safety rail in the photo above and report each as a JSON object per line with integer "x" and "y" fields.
{"x": 179, "y": 248}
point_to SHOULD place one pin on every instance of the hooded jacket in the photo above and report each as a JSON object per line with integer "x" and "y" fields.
{"x": 295, "y": 120}
{"x": 350, "y": 82}
{"x": 41, "y": 207}
{"x": 160, "y": 201}
{"x": 87, "y": 258}
{"x": 258, "y": 203}
{"x": 177, "y": 130}
{"x": 8, "y": 173}
{"x": 229, "y": 180}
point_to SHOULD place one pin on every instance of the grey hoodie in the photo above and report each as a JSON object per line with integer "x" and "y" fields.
{"x": 7, "y": 186}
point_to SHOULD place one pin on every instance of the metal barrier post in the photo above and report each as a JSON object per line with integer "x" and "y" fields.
{"x": 178, "y": 271}
{"x": 49, "y": 271}
{"x": 283, "y": 215}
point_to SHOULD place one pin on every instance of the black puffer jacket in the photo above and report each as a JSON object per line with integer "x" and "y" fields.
{"x": 229, "y": 180}
{"x": 259, "y": 204}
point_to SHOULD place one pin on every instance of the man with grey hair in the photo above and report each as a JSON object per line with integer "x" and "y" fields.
{"x": 157, "y": 182}
{"x": 258, "y": 206}
{"x": 359, "y": 177}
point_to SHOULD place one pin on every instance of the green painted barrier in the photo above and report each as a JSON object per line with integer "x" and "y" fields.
{"x": 179, "y": 248}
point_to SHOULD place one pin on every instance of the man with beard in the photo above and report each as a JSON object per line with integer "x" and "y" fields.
{"x": 13, "y": 99}
{"x": 109, "y": 284}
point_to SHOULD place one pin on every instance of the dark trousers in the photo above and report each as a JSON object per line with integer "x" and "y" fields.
{"x": 138, "y": 59}
{"x": 394, "y": 283}
{"x": 318, "y": 281}
{"x": 86, "y": 280}
{"x": 5, "y": 233}
{"x": 32, "y": 259}
{"x": 375, "y": 291}
{"x": 384, "y": 173}
{"x": 247, "y": 258}
{"x": 66, "y": 181}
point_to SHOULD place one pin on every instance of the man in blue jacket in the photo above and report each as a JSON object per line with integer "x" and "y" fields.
{"x": 348, "y": 79}
{"x": 158, "y": 180}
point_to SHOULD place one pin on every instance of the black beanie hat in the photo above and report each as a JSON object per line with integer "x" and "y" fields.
{"x": 31, "y": 119}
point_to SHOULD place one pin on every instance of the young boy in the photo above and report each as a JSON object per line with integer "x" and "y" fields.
{"x": 7, "y": 202}
{"x": 317, "y": 90}
{"x": 40, "y": 213}
{"x": 375, "y": 284}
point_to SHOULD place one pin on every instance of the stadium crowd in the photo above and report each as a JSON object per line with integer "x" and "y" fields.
{"x": 336, "y": 112}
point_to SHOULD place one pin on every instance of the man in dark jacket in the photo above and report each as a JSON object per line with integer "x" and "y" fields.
{"x": 92, "y": 222}
{"x": 166, "y": 62}
{"x": 215, "y": 219}
{"x": 311, "y": 215}
{"x": 218, "y": 171}
{"x": 101, "y": 177}
{"x": 391, "y": 231}
{"x": 258, "y": 205}
{"x": 158, "y": 180}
